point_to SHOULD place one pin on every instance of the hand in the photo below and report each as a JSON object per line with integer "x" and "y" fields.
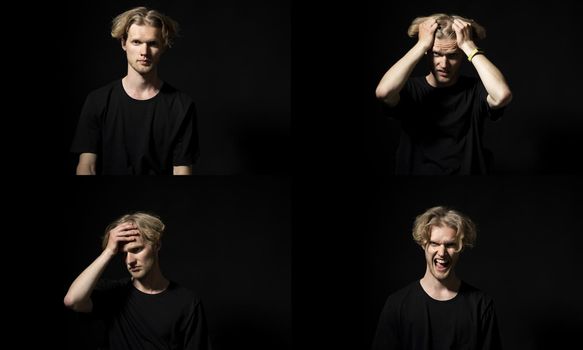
{"x": 463, "y": 32}
{"x": 427, "y": 33}
{"x": 120, "y": 235}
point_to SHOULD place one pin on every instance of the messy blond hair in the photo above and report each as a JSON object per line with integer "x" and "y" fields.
{"x": 140, "y": 16}
{"x": 444, "y": 26}
{"x": 150, "y": 226}
{"x": 441, "y": 216}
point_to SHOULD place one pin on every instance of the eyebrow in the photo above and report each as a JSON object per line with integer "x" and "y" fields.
{"x": 153, "y": 41}
{"x": 446, "y": 242}
{"x": 134, "y": 247}
{"x": 445, "y": 53}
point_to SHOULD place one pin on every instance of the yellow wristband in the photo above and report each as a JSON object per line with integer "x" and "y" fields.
{"x": 476, "y": 51}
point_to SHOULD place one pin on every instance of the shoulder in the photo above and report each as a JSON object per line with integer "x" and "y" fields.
{"x": 174, "y": 95}
{"x": 102, "y": 93}
{"x": 105, "y": 285}
{"x": 183, "y": 294}
{"x": 417, "y": 87}
{"x": 405, "y": 293}
{"x": 105, "y": 89}
{"x": 418, "y": 82}
{"x": 475, "y": 295}
{"x": 107, "y": 289}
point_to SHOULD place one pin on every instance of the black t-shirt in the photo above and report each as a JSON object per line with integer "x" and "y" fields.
{"x": 442, "y": 128}
{"x": 137, "y": 137}
{"x": 412, "y": 320}
{"x": 173, "y": 319}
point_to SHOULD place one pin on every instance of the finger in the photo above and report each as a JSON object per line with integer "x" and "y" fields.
{"x": 126, "y": 238}
{"x": 456, "y": 26}
{"x": 464, "y": 24}
{"x": 126, "y": 225}
{"x": 121, "y": 228}
{"x": 130, "y": 233}
{"x": 461, "y": 22}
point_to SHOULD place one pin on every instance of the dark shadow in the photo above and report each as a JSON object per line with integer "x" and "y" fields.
{"x": 559, "y": 146}
{"x": 557, "y": 330}
{"x": 264, "y": 150}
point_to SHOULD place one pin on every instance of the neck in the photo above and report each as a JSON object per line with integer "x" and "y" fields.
{"x": 142, "y": 82}
{"x": 440, "y": 289}
{"x": 153, "y": 283}
{"x": 430, "y": 78}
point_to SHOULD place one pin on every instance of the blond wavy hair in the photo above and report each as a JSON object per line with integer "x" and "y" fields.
{"x": 150, "y": 226}
{"x": 144, "y": 16}
{"x": 444, "y": 28}
{"x": 441, "y": 216}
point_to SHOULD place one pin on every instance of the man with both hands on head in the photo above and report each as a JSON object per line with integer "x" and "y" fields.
{"x": 442, "y": 113}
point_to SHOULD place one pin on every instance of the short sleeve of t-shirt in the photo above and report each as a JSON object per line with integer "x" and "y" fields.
{"x": 185, "y": 150}
{"x": 88, "y": 134}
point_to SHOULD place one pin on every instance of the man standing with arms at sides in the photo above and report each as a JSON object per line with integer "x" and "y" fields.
{"x": 442, "y": 113}
{"x": 139, "y": 125}
{"x": 440, "y": 311}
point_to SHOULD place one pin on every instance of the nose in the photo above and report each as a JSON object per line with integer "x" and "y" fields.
{"x": 144, "y": 49}
{"x": 441, "y": 61}
{"x": 441, "y": 250}
{"x": 130, "y": 259}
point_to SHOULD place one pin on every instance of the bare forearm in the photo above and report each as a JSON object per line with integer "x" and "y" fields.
{"x": 493, "y": 80}
{"x": 78, "y": 296}
{"x": 86, "y": 165}
{"x": 394, "y": 79}
{"x": 85, "y": 170}
{"x": 182, "y": 170}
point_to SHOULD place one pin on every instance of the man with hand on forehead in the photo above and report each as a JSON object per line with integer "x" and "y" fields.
{"x": 146, "y": 311}
{"x": 442, "y": 113}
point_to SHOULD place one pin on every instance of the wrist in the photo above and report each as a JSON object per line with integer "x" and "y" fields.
{"x": 108, "y": 253}
{"x": 422, "y": 48}
{"x": 474, "y": 53}
{"x": 467, "y": 47}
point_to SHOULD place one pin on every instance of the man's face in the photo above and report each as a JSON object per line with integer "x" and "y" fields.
{"x": 445, "y": 60}
{"x": 440, "y": 252}
{"x": 139, "y": 257}
{"x": 143, "y": 47}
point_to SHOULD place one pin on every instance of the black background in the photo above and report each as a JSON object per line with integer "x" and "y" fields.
{"x": 227, "y": 238}
{"x": 531, "y": 43}
{"x": 345, "y": 261}
{"x": 527, "y": 255}
{"x": 233, "y": 58}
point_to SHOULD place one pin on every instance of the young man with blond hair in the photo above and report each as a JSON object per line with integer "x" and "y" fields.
{"x": 439, "y": 311}
{"x": 442, "y": 113}
{"x": 146, "y": 311}
{"x": 138, "y": 125}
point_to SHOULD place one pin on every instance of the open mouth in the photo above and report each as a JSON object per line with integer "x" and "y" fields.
{"x": 441, "y": 264}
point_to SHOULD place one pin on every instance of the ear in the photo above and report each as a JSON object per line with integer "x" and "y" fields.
{"x": 158, "y": 246}
{"x": 123, "y": 44}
